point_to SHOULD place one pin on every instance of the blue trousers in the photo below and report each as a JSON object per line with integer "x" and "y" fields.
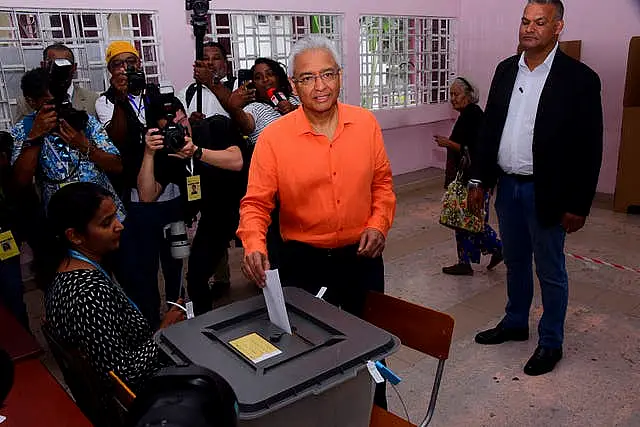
{"x": 11, "y": 291}
{"x": 143, "y": 249}
{"x": 525, "y": 239}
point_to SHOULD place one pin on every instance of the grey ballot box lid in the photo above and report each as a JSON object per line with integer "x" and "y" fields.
{"x": 328, "y": 346}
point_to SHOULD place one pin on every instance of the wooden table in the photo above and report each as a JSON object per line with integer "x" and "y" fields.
{"x": 37, "y": 399}
{"x": 15, "y": 340}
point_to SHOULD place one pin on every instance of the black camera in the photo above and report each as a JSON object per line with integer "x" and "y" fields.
{"x": 60, "y": 77}
{"x": 199, "y": 7}
{"x": 164, "y": 105}
{"x": 136, "y": 80}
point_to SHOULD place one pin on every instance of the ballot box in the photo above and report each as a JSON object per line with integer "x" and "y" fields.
{"x": 315, "y": 377}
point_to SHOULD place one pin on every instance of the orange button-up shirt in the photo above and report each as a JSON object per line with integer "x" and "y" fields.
{"x": 329, "y": 190}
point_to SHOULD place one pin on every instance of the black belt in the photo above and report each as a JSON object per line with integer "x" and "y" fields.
{"x": 520, "y": 178}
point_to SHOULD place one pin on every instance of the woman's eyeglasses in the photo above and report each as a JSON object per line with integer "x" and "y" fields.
{"x": 326, "y": 76}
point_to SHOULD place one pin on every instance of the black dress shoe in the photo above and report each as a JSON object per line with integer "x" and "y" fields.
{"x": 543, "y": 360}
{"x": 500, "y": 334}
{"x": 458, "y": 270}
{"x": 496, "y": 259}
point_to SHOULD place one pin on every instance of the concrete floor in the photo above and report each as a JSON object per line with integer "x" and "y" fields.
{"x": 597, "y": 382}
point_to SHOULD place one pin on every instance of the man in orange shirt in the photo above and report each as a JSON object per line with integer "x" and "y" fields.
{"x": 327, "y": 163}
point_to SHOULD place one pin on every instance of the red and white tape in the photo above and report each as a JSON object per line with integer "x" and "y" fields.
{"x": 601, "y": 262}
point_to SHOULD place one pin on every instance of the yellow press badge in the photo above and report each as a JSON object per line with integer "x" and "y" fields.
{"x": 8, "y": 246}
{"x": 194, "y": 191}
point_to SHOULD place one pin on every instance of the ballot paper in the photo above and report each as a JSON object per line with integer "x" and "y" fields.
{"x": 275, "y": 301}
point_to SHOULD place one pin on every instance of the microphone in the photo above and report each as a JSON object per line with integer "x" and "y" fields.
{"x": 275, "y": 96}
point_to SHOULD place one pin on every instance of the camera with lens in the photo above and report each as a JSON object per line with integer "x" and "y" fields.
{"x": 60, "y": 77}
{"x": 164, "y": 105}
{"x": 199, "y": 7}
{"x": 136, "y": 80}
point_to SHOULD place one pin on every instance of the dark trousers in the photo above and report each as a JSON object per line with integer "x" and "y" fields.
{"x": 347, "y": 276}
{"x": 11, "y": 291}
{"x": 274, "y": 238}
{"x": 143, "y": 249}
{"x": 209, "y": 247}
{"x": 524, "y": 239}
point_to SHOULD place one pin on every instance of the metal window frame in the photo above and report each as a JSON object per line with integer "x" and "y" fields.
{"x": 78, "y": 41}
{"x": 398, "y": 60}
{"x": 274, "y": 33}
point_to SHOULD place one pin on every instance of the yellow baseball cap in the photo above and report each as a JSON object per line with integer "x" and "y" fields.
{"x": 120, "y": 46}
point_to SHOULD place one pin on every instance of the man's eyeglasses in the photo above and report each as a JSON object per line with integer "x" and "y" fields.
{"x": 326, "y": 76}
{"x": 119, "y": 63}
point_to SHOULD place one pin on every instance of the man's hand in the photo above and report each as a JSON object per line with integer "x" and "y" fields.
{"x": 187, "y": 151}
{"x": 173, "y": 316}
{"x": 242, "y": 96}
{"x": 46, "y": 120}
{"x": 72, "y": 137}
{"x": 254, "y": 266}
{"x": 372, "y": 243}
{"x": 285, "y": 107}
{"x": 442, "y": 141}
{"x": 475, "y": 200}
{"x": 153, "y": 143}
{"x": 572, "y": 223}
{"x": 203, "y": 74}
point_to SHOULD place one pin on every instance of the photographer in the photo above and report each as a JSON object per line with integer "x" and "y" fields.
{"x": 59, "y": 145}
{"x": 216, "y": 167}
{"x": 217, "y": 83}
{"x": 81, "y": 98}
{"x": 125, "y": 111}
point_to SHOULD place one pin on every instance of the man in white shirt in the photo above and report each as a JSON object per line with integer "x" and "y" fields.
{"x": 124, "y": 111}
{"x": 542, "y": 143}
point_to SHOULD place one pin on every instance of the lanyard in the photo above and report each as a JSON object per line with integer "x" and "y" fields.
{"x": 138, "y": 108}
{"x": 77, "y": 255}
{"x": 190, "y": 168}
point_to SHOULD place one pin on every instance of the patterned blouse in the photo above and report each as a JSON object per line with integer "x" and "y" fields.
{"x": 263, "y": 115}
{"x": 59, "y": 164}
{"x": 87, "y": 311}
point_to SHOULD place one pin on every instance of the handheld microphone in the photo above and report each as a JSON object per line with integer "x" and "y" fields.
{"x": 275, "y": 96}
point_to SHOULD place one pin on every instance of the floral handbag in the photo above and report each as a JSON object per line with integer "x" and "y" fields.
{"x": 455, "y": 213}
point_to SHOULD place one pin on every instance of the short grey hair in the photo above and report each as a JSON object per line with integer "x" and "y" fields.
{"x": 311, "y": 42}
{"x": 557, "y": 3}
{"x": 470, "y": 90}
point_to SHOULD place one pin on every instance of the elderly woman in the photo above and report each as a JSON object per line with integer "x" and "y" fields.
{"x": 464, "y": 99}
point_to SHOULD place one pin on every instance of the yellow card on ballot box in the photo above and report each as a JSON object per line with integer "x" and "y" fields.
{"x": 255, "y": 348}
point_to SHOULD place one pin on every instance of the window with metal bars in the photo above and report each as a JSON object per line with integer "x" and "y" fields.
{"x": 251, "y": 35}
{"x": 405, "y": 61}
{"x": 24, "y": 33}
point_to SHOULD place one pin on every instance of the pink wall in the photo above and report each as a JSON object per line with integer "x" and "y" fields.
{"x": 488, "y": 33}
{"x": 408, "y": 133}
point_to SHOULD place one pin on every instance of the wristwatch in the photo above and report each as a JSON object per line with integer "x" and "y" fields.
{"x": 33, "y": 142}
{"x": 197, "y": 155}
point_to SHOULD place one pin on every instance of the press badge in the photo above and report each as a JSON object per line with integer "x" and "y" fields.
{"x": 8, "y": 246}
{"x": 194, "y": 191}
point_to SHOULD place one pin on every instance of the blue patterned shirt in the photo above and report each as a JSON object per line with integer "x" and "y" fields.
{"x": 59, "y": 164}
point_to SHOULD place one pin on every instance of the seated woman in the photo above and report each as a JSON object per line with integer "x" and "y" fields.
{"x": 84, "y": 307}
